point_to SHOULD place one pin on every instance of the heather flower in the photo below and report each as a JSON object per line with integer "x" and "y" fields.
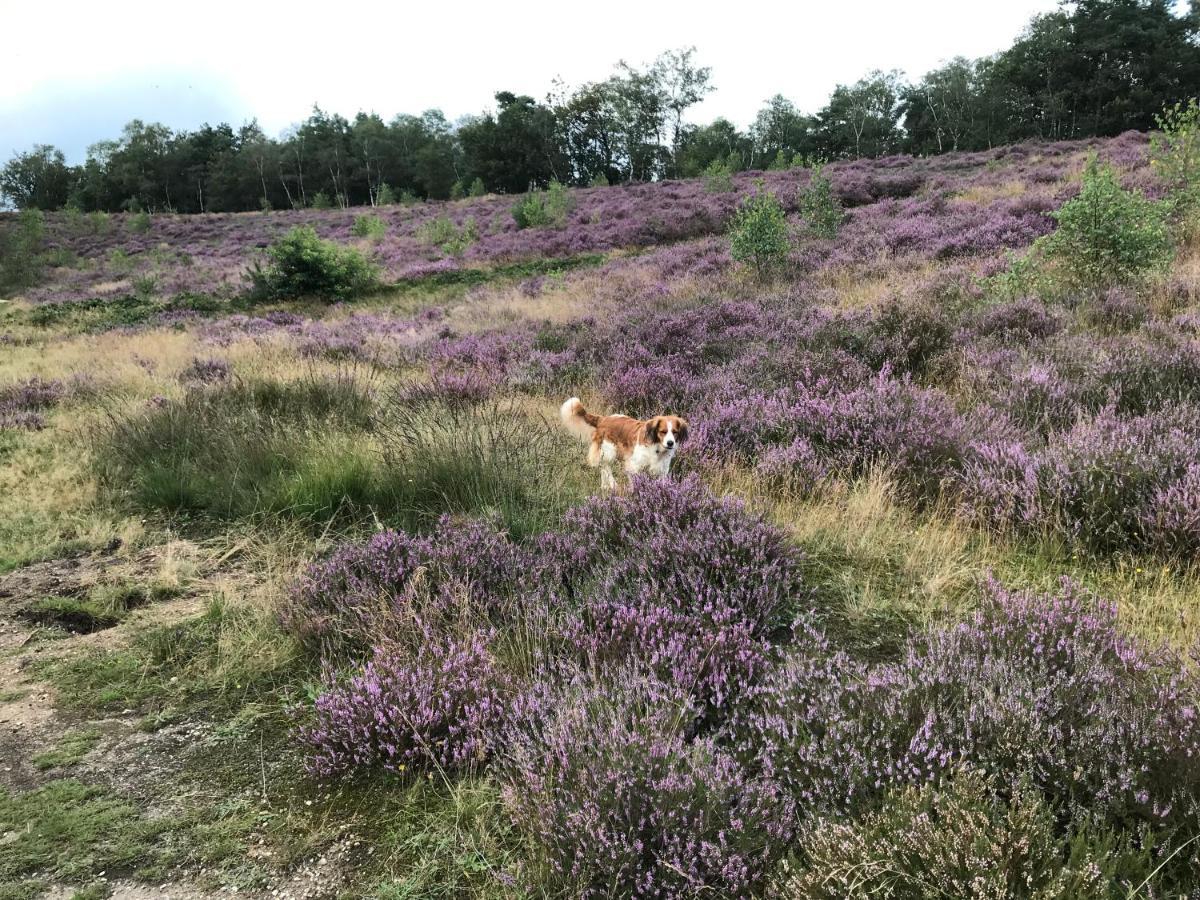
{"x": 618, "y": 801}
{"x": 1031, "y": 687}
{"x": 364, "y": 590}
{"x": 438, "y": 705}
{"x": 23, "y": 403}
{"x": 689, "y": 584}
{"x": 206, "y": 371}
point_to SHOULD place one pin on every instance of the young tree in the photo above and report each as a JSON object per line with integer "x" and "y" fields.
{"x": 759, "y": 233}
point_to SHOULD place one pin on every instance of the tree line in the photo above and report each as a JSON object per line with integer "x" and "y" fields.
{"x": 1090, "y": 68}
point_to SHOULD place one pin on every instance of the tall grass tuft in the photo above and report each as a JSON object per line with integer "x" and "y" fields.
{"x": 244, "y": 447}
{"x": 443, "y": 454}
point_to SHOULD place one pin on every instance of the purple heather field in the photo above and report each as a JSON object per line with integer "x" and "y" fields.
{"x": 665, "y": 689}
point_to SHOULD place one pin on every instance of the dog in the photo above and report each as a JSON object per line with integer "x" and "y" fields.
{"x": 642, "y": 446}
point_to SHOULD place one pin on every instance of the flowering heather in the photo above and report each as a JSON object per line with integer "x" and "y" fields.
{"x": 689, "y": 584}
{"x": 1034, "y": 687}
{"x": 23, "y": 403}
{"x": 885, "y": 421}
{"x": 1111, "y": 475}
{"x": 618, "y": 801}
{"x": 206, "y": 371}
{"x": 438, "y": 705}
{"x": 365, "y": 590}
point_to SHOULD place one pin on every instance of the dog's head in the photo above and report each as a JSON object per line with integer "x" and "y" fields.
{"x": 668, "y": 431}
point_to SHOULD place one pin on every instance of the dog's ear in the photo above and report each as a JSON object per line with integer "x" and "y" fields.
{"x": 681, "y": 428}
{"x": 652, "y": 430}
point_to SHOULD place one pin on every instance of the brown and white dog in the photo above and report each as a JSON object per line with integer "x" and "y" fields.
{"x": 642, "y": 446}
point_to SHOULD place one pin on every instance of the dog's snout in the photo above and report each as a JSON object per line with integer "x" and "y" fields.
{"x": 670, "y": 442}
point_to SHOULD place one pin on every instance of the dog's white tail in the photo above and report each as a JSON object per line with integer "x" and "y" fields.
{"x": 578, "y": 420}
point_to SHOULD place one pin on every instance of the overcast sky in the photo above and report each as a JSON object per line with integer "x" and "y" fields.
{"x": 73, "y": 72}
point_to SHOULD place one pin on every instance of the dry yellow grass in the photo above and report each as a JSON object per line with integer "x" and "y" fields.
{"x": 989, "y": 193}
{"x": 876, "y": 557}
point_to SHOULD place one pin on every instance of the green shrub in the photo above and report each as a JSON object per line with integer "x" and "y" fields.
{"x": 819, "y": 206}
{"x": 369, "y": 226}
{"x": 599, "y": 180}
{"x": 320, "y": 200}
{"x": 139, "y": 222}
{"x": 759, "y": 233}
{"x": 385, "y": 196}
{"x": 300, "y": 264}
{"x": 477, "y": 189}
{"x": 1175, "y": 159}
{"x": 963, "y": 840}
{"x": 544, "y": 209}
{"x": 1106, "y": 235}
{"x": 718, "y": 178}
{"x": 448, "y": 237}
{"x": 458, "y": 190}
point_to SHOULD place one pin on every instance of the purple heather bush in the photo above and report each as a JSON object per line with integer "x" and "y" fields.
{"x": 618, "y": 801}
{"x": 23, "y": 403}
{"x": 210, "y": 370}
{"x": 887, "y": 421}
{"x": 689, "y": 584}
{"x": 1109, "y": 476}
{"x": 375, "y": 588}
{"x": 438, "y": 704}
{"x": 1034, "y": 688}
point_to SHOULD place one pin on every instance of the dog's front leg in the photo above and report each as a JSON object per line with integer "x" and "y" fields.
{"x": 607, "y": 482}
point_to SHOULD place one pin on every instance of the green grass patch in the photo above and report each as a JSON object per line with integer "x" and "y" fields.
{"x": 105, "y": 313}
{"x": 98, "y": 890}
{"x": 209, "y": 664}
{"x": 22, "y": 890}
{"x": 68, "y": 830}
{"x": 318, "y": 451}
{"x": 70, "y": 751}
{"x": 529, "y": 268}
{"x": 492, "y": 458}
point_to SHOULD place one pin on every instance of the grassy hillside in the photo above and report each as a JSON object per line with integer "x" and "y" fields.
{"x": 318, "y": 599}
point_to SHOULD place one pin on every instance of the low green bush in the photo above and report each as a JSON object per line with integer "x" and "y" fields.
{"x": 300, "y": 264}
{"x": 759, "y": 233}
{"x": 544, "y": 209}
{"x": 369, "y": 226}
{"x": 819, "y": 206}
{"x": 1107, "y": 235}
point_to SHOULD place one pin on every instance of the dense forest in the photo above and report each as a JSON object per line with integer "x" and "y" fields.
{"x": 1091, "y": 68}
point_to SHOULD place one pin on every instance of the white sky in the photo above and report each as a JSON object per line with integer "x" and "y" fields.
{"x": 74, "y": 72}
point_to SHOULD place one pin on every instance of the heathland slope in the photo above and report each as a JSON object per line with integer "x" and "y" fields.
{"x": 316, "y": 598}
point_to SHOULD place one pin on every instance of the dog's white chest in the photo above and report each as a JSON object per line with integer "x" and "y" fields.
{"x": 650, "y": 459}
